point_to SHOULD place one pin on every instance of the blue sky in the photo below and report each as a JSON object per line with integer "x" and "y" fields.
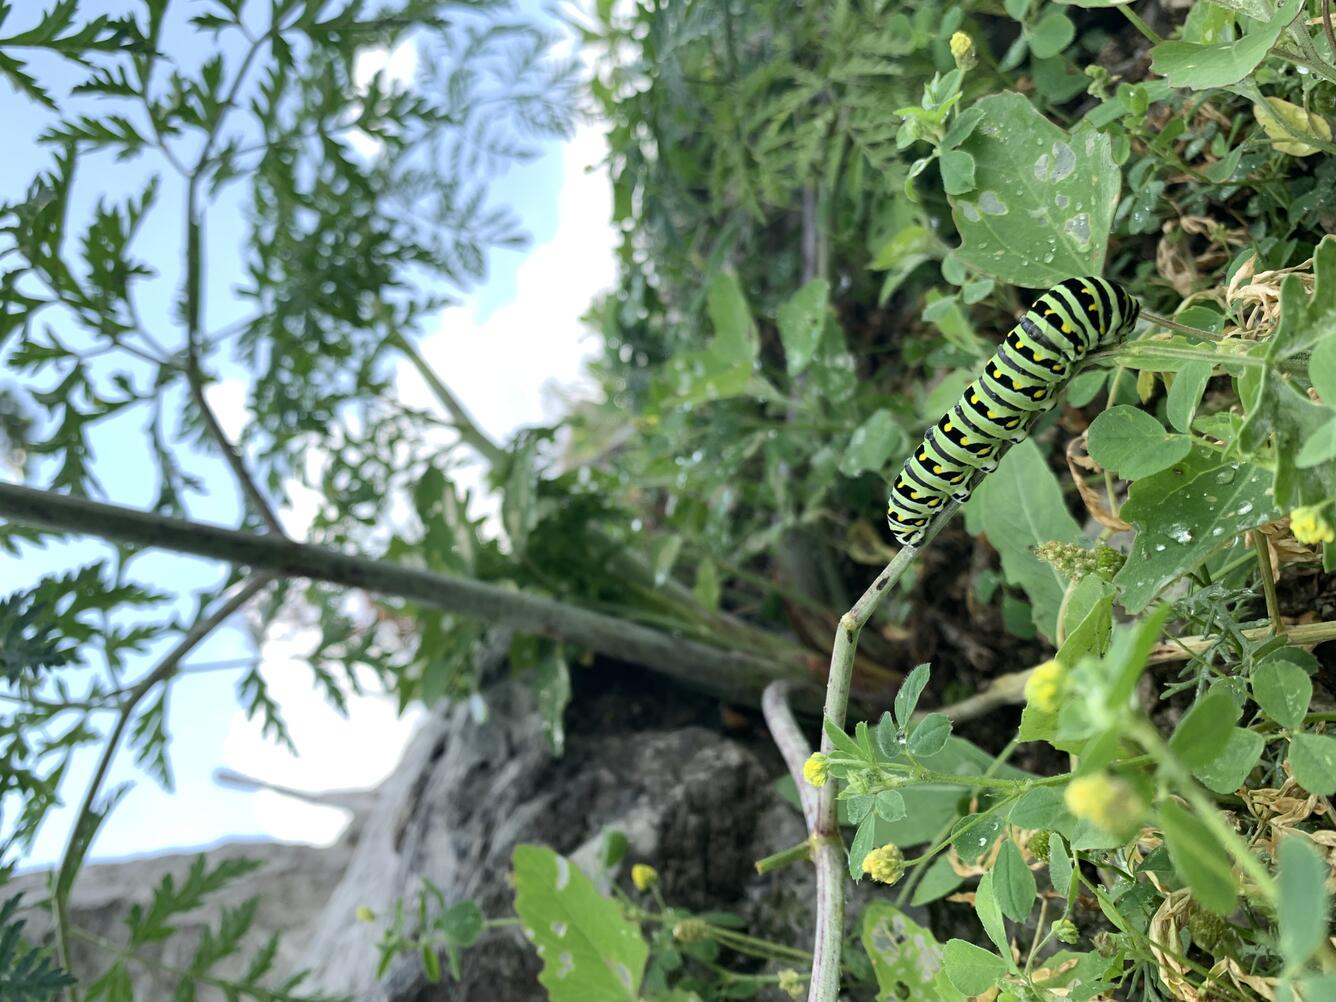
{"x": 525, "y": 313}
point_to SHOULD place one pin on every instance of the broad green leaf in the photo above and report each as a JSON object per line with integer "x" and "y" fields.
{"x": 724, "y": 367}
{"x": 1185, "y": 394}
{"x": 906, "y": 699}
{"x": 1205, "y": 729}
{"x": 1133, "y": 444}
{"x": 801, "y": 319}
{"x": 929, "y": 736}
{"x": 872, "y": 444}
{"x": 890, "y": 805}
{"x": 1230, "y": 768}
{"x": 957, "y": 172}
{"x": 1199, "y": 858}
{"x": 1020, "y": 505}
{"x": 971, "y": 969}
{"x": 906, "y": 957}
{"x": 1183, "y": 514}
{"x": 734, "y": 331}
{"x": 1044, "y": 198}
{"x": 887, "y": 736}
{"x": 1313, "y": 762}
{"x": 1051, "y": 34}
{"x": 1038, "y": 809}
{"x": 1283, "y": 690}
{"x": 1188, "y": 64}
{"x": 462, "y": 923}
{"x": 1304, "y": 903}
{"x": 990, "y": 913}
{"x": 976, "y": 836}
{"x": 590, "y": 951}
{"x": 1013, "y": 883}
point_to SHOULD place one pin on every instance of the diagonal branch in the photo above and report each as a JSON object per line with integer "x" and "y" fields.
{"x": 733, "y": 674}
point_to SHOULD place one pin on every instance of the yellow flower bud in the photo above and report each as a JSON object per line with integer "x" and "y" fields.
{"x": 962, "y": 51}
{"x": 691, "y": 930}
{"x": 644, "y": 876}
{"x": 792, "y": 984}
{"x": 815, "y": 770}
{"x": 1045, "y": 686}
{"x": 1107, "y": 802}
{"x": 1309, "y": 525}
{"x": 885, "y": 865}
{"x": 365, "y": 914}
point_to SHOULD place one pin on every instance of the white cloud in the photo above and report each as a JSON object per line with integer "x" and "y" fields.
{"x": 506, "y": 370}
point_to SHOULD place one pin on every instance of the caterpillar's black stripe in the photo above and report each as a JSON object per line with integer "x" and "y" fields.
{"x": 1019, "y": 382}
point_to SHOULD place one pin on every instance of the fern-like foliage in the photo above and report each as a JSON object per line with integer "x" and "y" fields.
{"x": 27, "y": 974}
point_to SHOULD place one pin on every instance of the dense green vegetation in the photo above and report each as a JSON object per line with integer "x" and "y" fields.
{"x": 828, "y": 212}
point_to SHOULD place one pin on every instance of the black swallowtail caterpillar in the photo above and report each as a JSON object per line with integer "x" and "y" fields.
{"x": 1020, "y": 382}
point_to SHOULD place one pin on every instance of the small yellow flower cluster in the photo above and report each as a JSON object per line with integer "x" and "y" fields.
{"x": 792, "y": 984}
{"x": 815, "y": 770}
{"x": 1107, "y": 802}
{"x": 962, "y": 51}
{"x": 885, "y": 865}
{"x": 644, "y": 876}
{"x": 1045, "y": 686}
{"x": 1309, "y": 525}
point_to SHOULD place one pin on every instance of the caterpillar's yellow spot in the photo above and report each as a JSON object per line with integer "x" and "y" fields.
{"x": 914, "y": 495}
{"x": 992, "y": 414}
{"x": 1066, "y": 329}
{"x": 974, "y": 398}
{"x": 1093, "y": 308}
{"x": 947, "y": 426}
{"x": 936, "y": 469}
{"x": 934, "y": 502}
{"x": 923, "y": 457}
{"x": 964, "y": 440}
{"x": 1013, "y": 422}
{"x": 1087, "y": 290}
{"x": 1048, "y": 313}
{"x": 986, "y": 452}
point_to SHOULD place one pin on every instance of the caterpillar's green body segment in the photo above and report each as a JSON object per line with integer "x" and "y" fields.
{"x": 1019, "y": 382}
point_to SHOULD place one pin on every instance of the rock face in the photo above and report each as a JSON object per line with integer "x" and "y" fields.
{"x": 641, "y": 757}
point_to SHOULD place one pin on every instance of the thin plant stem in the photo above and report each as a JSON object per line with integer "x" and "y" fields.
{"x": 1268, "y": 579}
{"x": 76, "y": 848}
{"x": 1139, "y": 24}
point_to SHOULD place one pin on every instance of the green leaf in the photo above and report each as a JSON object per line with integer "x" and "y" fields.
{"x": 890, "y": 805}
{"x": 863, "y": 842}
{"x": 841, "y": 740}
{"x": 957, "y": 172}
{"x": 1199, "y": 858}
{"x": 1059, "y": 866}
{"x": 929, "y": 737}
{"x": 1313, "y": 762}
{"x": 1045, "y": 198}
{"x": 1013, "y": 883}
{"x": 1283, "y": 690}
{"x": 1187, "y": 64}
{"x": 906, "y": 699}
{"x": 1304, "y": 904}
{"x": 1185, "y": 513}
{"x": 1322, "y": 369}
{"x": 590, "y": 950}
{"x": 1020, "y": 505}
{"x": 1185, "y": 394}
{"x": 872, "y": 444}
{"x": 801, "y": 320}
{"x": 1230, "y": 768}
{"x": 1133, "y": 444}
{"x": 972, "y": 969}
{"x": 906, "y": 957}
{"x": 1051, "y": 35}
{"x": 1205, "y": 729}
{"x": 990, "y": 913}
{"x": 1038, "y": 809}
{"x": 1319, "y": 447}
